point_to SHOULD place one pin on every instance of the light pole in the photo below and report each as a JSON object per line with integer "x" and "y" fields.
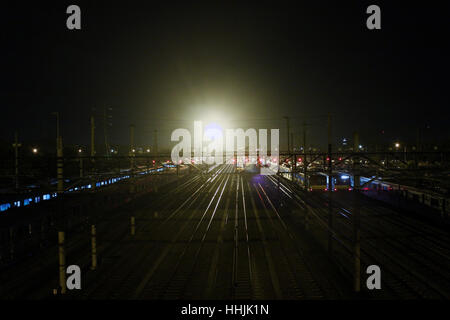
{"x": 132, "y": 150}
{"x": 330, "y": 189}
{"x": 80, "y": 153}
{"x": 288, "y": 134}
{"x": 92, "y": 138}
{"x": 16, "y": 146}
{"x": 59, "y": 155}
{"x": 356, "y": 216}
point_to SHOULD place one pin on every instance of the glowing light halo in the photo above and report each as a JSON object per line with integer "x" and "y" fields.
{"x": 213, "y": 115}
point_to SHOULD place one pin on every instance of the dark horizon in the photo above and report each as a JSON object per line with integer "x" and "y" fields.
{"x": 164, "y": 66}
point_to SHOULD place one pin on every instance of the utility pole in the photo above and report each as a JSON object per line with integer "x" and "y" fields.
{"x": 93, "y": 248}
{"x": 305, "y": 163}
{"x": 404, "y": 155}
{"x": 60, "y": 167}
{"x": 16, "y": 146}
{"x": 304, "y": 136}
{"x": 356, "y": 217}
{"x": 60, "y": 205}
{"x": 294, "y": 159}
{"x": 59, "y": 156}
{"x": 132, "y": 149}
{"x": 106, "y": 124}
{"x": 62, "y": 262}
{"x": 330, "y": 191}
{"x": 92, "y": 137}
{"x": 81, "y": 165}
{"x": 419, "y": 147}
{"x": 292, "y": 141}
{"x": 132, "y": 152}
{"x": 105, "y": 132}
{"x": 155, "y": 145}
{"x": 288, "y": 133}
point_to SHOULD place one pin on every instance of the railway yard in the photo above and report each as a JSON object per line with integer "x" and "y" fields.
{"x": 223, "y": 234}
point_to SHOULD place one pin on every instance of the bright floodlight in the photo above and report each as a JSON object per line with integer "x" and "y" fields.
{"x": 212, "y": 113}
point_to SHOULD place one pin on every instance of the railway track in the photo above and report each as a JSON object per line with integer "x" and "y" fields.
{"x": 36, "y": 278}
{"x": 222, "y": 234}
{"x": 413, "y": 256}
{"x": 224, "y": 240}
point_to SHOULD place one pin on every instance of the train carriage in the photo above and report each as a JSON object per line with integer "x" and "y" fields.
{"x": 342, "y": 182}
{"x": 317, "y": 182}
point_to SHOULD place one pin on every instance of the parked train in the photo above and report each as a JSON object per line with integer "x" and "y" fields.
{"x": 343, "y": 181}
{"x": 427, "y": 198}
{"x": 319, "y": 181}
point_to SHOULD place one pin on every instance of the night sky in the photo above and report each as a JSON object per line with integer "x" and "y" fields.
{"x": 161, "y": 66}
